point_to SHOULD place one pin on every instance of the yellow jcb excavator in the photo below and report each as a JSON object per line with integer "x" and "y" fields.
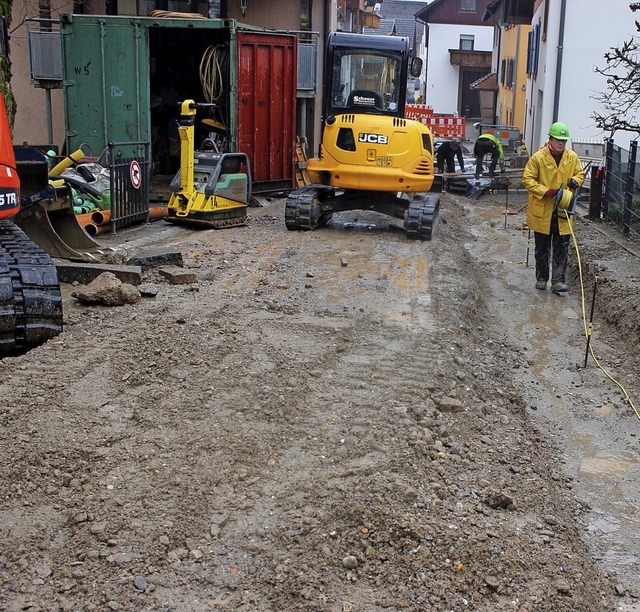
{"x": 371, "y": 157}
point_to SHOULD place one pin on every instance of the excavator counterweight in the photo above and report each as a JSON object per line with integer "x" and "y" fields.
{"x": 371, "y": 157}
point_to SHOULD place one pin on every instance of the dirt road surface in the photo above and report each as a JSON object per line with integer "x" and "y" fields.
{"x": 340, "y": 420}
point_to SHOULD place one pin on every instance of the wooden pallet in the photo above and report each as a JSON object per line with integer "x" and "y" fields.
{"x": 302, "y": 178}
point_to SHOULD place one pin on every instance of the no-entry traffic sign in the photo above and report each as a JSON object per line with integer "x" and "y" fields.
{"x": 135, "y": 174}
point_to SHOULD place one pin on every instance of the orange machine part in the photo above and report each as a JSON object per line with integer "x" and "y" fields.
{"x": 9, "y": 181}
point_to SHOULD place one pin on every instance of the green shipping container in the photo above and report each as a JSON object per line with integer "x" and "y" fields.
{"x": 125, "y": 77}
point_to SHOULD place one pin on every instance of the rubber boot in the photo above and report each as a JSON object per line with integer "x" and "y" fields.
{"x": 560, "y": 248}
{"x": 541, "y": 253}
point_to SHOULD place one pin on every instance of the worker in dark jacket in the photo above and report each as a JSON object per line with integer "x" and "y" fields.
{"x": 446, "y": 156}
{"x": 488, "y": 144}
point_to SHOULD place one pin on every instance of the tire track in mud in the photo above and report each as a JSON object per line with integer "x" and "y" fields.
{"x": 342, "y": 279}
{"x": 342, "y": 403}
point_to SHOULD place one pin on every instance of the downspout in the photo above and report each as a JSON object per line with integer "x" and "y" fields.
{"x": 497, "y": 120}
{"x": 515, "y": 74}
{"x": 556, "y": 93}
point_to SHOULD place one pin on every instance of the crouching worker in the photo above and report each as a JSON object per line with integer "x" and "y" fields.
{"x": 488, "y": 144}
{"x": 446, "y": 156}
{"x": 550, "y": 169}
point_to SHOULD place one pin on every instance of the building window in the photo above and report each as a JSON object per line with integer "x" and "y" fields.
{"x": 468, "y": 6}
{"x": 533, "y": 51}
{"x": 509, "y": 80}
{"x": 466, "y": 42}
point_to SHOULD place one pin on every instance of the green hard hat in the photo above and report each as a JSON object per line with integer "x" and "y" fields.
{"x": 559, "y": 131}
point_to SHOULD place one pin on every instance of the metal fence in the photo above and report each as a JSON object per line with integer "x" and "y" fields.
{"x": 129, "y": 183}
{"x": 621, "y": 189}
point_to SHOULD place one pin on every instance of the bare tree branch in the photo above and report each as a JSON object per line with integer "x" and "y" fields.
{"x": 621, "y": 100}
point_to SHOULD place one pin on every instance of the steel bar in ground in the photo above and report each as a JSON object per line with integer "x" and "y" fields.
{"x": 506, "y": 204}
{"x": 590, "y": 326}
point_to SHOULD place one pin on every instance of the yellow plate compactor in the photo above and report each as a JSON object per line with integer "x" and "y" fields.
{"x": 211, "y": 189}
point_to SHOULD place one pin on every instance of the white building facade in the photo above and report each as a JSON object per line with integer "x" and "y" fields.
{"x": 443, "y": 78}
{"x": 569, "y": 39}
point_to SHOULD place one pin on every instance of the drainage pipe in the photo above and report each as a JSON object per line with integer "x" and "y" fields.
{"x": 556, "y": 94}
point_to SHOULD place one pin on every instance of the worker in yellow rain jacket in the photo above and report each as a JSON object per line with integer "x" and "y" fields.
{"x": 554, "y": 167}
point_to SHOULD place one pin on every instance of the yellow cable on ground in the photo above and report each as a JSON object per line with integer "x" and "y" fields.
{"x": 588, "y": 328}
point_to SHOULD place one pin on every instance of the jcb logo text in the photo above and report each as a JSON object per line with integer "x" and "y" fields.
{"x": 373, "y": 138}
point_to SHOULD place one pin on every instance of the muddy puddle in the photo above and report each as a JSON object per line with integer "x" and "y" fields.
{"x": 580, "y": 407}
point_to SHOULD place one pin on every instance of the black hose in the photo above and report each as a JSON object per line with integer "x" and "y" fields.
{"x": 79, "y": 185}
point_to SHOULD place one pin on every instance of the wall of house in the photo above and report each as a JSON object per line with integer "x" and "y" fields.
{"x": 512, "y": 99}
{"x": 31, "y": 123}
{"x": 586, "y": 40}
{"x": 447, "y": 12}
{"x": 261, "y": 13}
{"x": 442, "y": 78}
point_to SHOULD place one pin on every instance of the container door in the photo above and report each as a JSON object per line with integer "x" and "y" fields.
{"x": 106, "y": 77}
{"x": 266, "y": 99}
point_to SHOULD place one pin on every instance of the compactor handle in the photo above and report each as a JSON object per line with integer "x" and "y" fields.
{"x": 188, "y": 107}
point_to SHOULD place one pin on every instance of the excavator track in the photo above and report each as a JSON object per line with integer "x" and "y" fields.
{"x": 312, "y": 206}
{"x": 304, "y": 209}
{"x": 421, "y": 217}
{"x": 30, "y": 297}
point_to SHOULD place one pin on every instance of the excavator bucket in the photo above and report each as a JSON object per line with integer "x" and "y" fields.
{"x": 47, "y": 215}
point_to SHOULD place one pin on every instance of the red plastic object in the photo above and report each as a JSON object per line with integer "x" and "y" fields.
{"x": 9, "y": 181}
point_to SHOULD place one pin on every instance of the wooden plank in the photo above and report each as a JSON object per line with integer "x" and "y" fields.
{"x": 302, "y": 178}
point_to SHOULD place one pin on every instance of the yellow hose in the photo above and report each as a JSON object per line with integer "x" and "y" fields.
{"x": 588, "y": 327}
{"x": 69, "y": 160}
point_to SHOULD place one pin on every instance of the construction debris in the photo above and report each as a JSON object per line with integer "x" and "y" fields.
{"x": 107, "y": 290}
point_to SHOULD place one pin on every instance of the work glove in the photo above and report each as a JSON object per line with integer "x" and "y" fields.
{"x": 550, "y": 193}
{"x": 573, "y": 184}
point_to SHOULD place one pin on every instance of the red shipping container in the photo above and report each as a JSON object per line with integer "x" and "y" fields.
{"x": 266, "y": 111}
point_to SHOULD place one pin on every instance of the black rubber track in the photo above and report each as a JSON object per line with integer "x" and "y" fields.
{"x": 303, "y": 210}
{"x": 30, "y": 298}
{"x": 421, "y": 218}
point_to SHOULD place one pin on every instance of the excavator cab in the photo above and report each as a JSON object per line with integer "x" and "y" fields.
{"x": 363, "y": 78}
{"x": 370, "y": 157}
